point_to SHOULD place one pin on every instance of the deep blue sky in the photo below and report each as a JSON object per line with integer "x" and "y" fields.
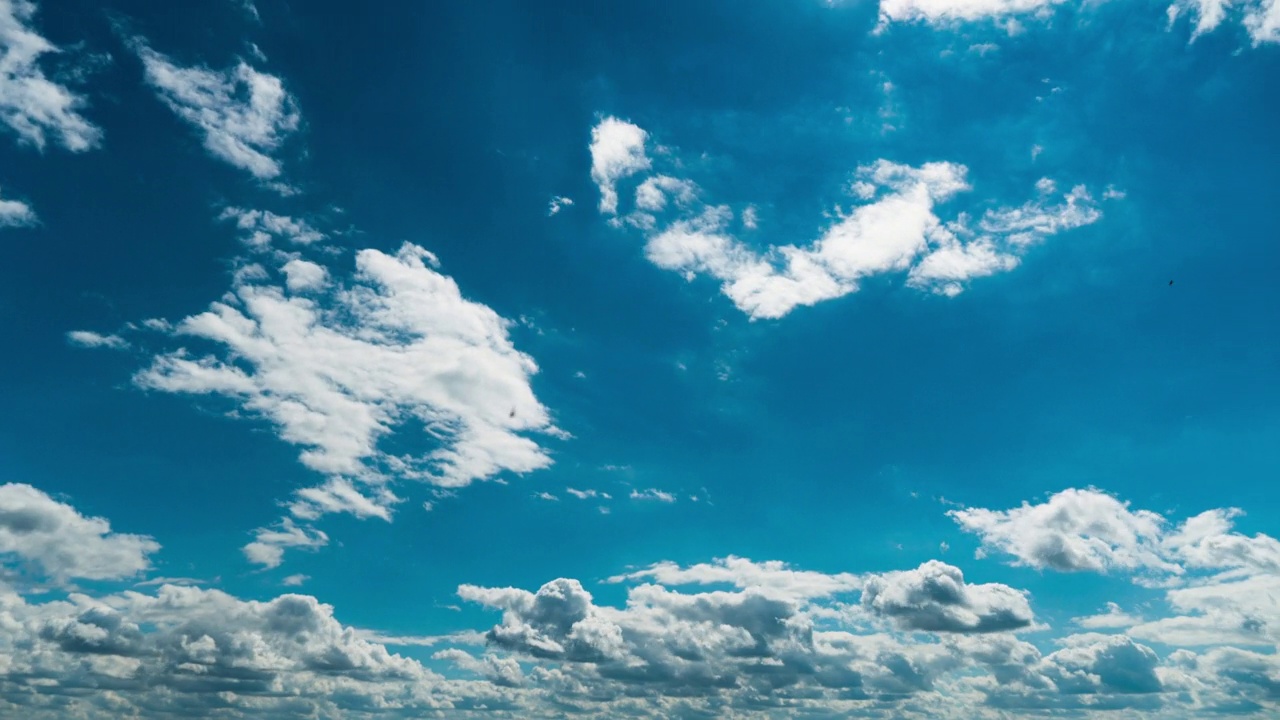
{"x": 834, "y": 438}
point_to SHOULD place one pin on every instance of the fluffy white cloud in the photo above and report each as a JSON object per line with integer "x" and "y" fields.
{"x": 37, "y": 530}
{"x": 336, "y": 366}
{"x": 1089, "y": 530}
{"x": 15, "y": 213}
{"x": 617, "y": 151}
{"x": 244, "y": 115}
{"x": 653, "y": 494}
{"x": 894, "y": 230}
{"x": 557, "y": 204}
{"x": 32, "y": 105}
{"x": 1260, "y": 18}
{"x": 935, "y": 598}
{"x": 772, "y": 578}
{"x": 1073, "y": 530}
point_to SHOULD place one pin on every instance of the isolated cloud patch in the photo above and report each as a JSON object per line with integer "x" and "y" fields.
{"x": 935, "y": 598}
{"x": 15, "y": 213}
{"x": 894, "y": 229}
{"x": 617, "y": 151}
{"x": 244, "y": 115}
{"x": 62, "y": 544}
{"x": 33, "y": 106}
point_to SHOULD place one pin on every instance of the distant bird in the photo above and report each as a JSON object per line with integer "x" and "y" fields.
{"x": 513, "y": 413}
{"x": 1170, "y": 282}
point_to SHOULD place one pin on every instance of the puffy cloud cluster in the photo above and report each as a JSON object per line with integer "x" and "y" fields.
{"x": 33, "y": 106}
{"x": 782, "y": 642}
{"x": 945, "y": 11}
{"x": 244, "y": 115}
{"x": 61, "y": 544}
{"x": 895, "y": 230}
{"x": 337, "y": 365}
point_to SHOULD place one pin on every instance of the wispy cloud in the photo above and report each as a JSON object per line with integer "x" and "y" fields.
{"x": 33, "y": 106}
{"x": 244, "y": 115}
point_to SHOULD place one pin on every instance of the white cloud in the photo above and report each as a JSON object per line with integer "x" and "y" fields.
{"x": 896, "y": 230}
{"x": 294, "y": 580}
{"x": 90, "y": 339}
{"x": 617, "y": 151}
{"x": 585, "y": 494}
{"x": 336, "y": 366}
{"x": 1073, "y": 530}
{"x": 15, "y": 213}
{"x": 32, "y": 105}
{"x": 269, "y": 544}
{"x": 1114, "y": 617}
{"x": 37, "y": 530}
{"x": 244, "y": 115}
{"x": 261, "y": 227}
{"x": 1089, "y": 530}
{"x": 1260, "y": 18}
{"x": 303, "y": 275}
{"x": 947, "y": 11}
{"x": 653, "y": 494}
{"x": 935, "y": 598}
{"x": 773, "y": 578}
{"x": 558, "y": 203}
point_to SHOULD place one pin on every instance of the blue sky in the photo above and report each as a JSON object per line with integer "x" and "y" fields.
{"x": 910, "y": 358}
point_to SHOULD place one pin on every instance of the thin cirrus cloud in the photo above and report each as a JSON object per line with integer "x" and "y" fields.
{"x": 38, "y": 109}
{"x": 896, "y": 229}
{"x": 243, "y": 115}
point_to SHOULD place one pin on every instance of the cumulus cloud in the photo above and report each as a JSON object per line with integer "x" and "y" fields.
{"x": 1090, "y": 530}
{"x": 617, "y": 151}
{"x": 653, "y": 494}
{"x": 935, "y": 598}
{"x": 895, "y": 229}
{"x": 61, "y": 543}
{"x": 1073, "y": 530}
{"x": 781, "y": 641}
{"x": 269, "y": 544}
{"x": 558, "y": 203}
{"x": 244, "y": 115}
{"x": 32, "y": 105}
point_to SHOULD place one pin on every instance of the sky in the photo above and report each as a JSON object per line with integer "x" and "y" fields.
{"x": 792, "y": 359}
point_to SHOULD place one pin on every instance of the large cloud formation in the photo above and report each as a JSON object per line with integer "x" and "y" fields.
{"x": 896, "y": 229}
{"x": 781, "y": 642}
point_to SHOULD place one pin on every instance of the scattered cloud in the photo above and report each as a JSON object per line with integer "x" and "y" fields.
{"x": 653, "y": 494}
{"x": 1260, "y": 18}
{"x": 268, "y": 546}
{"x": 90, "y": 339}
{"x": 62, "y": 544}
{"x": 295, "y": 580}
{"x": 895, "y": 230}
{"x": 33, "y": 106}
{"x": 587, "y": 494}
{"x": 557, "y": 204}
{"x": 263, "y": 229}
{"x": 244, "y": 115}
